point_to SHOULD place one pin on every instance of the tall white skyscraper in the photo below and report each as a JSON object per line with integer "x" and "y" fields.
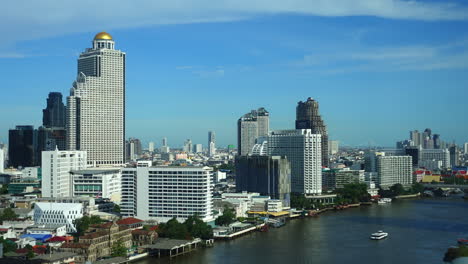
{"x": 151, "y": 147}
{"x": 96, "y": 105}
{"x": 211, "y": 143}
{"x": 465, "y": 148}
{"x": 56, "y": 167}
{"x": 303, "y": 149}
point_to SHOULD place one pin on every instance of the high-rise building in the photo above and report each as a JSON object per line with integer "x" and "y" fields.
{"x": 2, "y": 160}
{"x": 308, "y": 117}
{"x": 56, "y": 168}
{"x": 454, "y": 155}
{"x": 161, "y": 193}
{"x": 211, "y": 143}
{"x": 436, "y": 141}
{"x": 188, "y": 146}
{"x": 394, "y": 169}
{"x": 427, "y": 155}
{"x": 465, "y": 148}
{"x": 133, "y": 149}
{"x": 270, "y": 176}
{"x": 347, "y": 176}
{"x": 54, "y": 114}
{"x": 198, "y": 148}
{"x": 96, "y": 105}
{"x": 250, "y": 127}
{"x": 415, "y": 138}
{"x": 22, "y": 147}
{"x": 333, "y": 147}
{"x": 164, "y": 148}
{"x": 303, "y": 149}
{"x": 151, "y": 147}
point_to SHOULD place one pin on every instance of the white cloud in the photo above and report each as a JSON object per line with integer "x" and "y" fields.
{"x": 29, "y": 19}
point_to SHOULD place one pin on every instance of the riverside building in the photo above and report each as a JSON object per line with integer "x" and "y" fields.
{"x": 161, "y": 193}
{"x": 96, "y": 105}
{"x": 56, "y": 167}
{"x": 394, "y": 169}
{"x": 303, "y": 150}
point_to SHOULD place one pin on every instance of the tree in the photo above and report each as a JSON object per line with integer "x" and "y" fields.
{"x": 4, "y": 189}
{"x": 116, "y": 208}
{"x": 417, "y": 188}
{"x": 8, "y": 245}
{"x": 8, "y": 214}
{"x": 354, "y": 193}
{"x": 226, "y": 218}
{"x": 82, "y": 224}
{"x": 119, "y": 249}
{"x": 300, "y": 201}
{"x": 173, "y": 229}
{"x": 397, "y": 189}
{"x": 197, "y": 228}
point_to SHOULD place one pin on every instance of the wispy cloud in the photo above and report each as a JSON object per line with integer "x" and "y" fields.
{"x": 28, "y": 19}
{"x": 401, "y": 58}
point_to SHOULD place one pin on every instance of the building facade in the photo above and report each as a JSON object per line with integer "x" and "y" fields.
{"x": 250, "y": 127}
{"x": 54, "y": 114}
{"x": 347, "y": 176}
{"x": 308, "y": 117}
{"x": 58, "y": 213}
{"x": 266, "y": 175}
{"x": 103, "y": 183}
{"x": 429, "y": 155}
{"x": 22, "y": 147}
{"x": 394, "y": 169}
{"x": 303, "y": 149}
{"x": 161, "y": 193}
{"x": 56, "y": 167}
{"x": 96, "y": 105}
{"x": 211, "y": 143}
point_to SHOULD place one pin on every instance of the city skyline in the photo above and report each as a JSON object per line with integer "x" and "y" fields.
{"x": 383, "y": 60}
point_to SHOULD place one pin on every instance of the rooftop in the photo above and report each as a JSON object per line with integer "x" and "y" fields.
{"x": 129, "y": 221}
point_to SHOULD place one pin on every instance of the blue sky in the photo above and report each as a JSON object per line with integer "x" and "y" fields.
{"x": 378, "y": 68}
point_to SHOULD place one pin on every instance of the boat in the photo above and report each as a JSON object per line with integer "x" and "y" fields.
{"x": 462, "y": 241}
{"x": 385, "y": 201}
{"x": 379, "y": 235}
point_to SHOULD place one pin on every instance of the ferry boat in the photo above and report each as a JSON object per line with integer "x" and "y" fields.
{"x": 384, "y": 200}
{"x": 462, "y": 241}
{"x": 379, "y": 235}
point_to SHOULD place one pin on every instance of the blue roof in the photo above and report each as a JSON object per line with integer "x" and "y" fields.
{"x": 41, "y": 237}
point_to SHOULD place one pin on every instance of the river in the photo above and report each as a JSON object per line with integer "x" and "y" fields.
{"x": 420, "y": 231}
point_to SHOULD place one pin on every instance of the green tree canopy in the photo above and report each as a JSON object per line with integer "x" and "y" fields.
{"x": 228, "y": 217}
{"x": 8, "y": 214}
{"x": 397, "y": 189}
{"x": 173, "y": 229}
{"x": 354, "y": 193}
{"x": 197, "y": 228}
{"x": 118, "y": 249}
{"x": 82, "y": 224}
{"x": 299, "y": 201}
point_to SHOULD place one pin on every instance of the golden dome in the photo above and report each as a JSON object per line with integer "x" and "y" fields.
{"x": 103, "y": 35}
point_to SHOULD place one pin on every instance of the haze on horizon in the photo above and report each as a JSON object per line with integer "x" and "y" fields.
{"x": 377, "y": 68}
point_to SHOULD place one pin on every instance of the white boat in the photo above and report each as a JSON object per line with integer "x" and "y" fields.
{"x": 379, "y": 235}
{"x": 384, "y": 200}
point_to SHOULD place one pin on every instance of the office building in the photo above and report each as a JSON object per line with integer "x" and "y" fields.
{"x": 454, "y": 155}
{"x": 436, "y": 141}
{"x": 394, "y": 169}
{"x": 308, "y": 117}
{"x": 165, "y": 148}
{"x": 465, "y": 148}
{"x": 333, "y": 147}
{"x": 414, "y": 152}
{"x": 151, "y": 147}
{"x": 96, "y": 105}
{"x": 22, "y": 147}
{"x": 46, "y": 213}
{"x": 198, "y": 148}
{"x": 426, "y": 155}
{"x": 133, "y": 149}
{"x": 303, "y": 149}
{"x": 56, "y": 167}
{"x": 96, "y": 182}
{"x": 347, "y": 176}
{"x": 211, "y": 143}
{"x": 54, "y": 114}
{"x": 2, "y": 160}
{"x": 270, "y": 176}
{"x": 188, "y": 146}
{"x": 415, "y": 137}
{"x": 250, "y": 127}
{"x": 161, "y": 193}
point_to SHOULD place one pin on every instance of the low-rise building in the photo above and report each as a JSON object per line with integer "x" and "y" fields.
{"x": 50, "y": 229}
{"x": 58, "y": 213}
{"x": 142, "y": 237}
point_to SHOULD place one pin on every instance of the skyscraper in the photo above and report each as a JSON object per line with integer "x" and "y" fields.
{"x": 188, "y": 146}
{"x": 303, "y": 150}
{"x": 22, "y": 146}
{"x": 164, "y": 148}
{"x": 133, "y": 149}
{"x": 96, "y": 105}
{"x": 250, "y": 127}
{"x": 211, "y": 143}
{"x": 151, "y": 146}
{"x": 415, "y": 138}
{"x": 54, "y": 114}
{"x": 308, "y": 117}
{"x": 2, "y": 160}
{"x": 436, "y": 139}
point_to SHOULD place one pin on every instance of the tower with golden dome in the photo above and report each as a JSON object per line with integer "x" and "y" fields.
{"x": 96, "y": 105}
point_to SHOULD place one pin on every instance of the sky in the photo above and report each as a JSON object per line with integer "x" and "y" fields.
{"x": 379, "y": 68}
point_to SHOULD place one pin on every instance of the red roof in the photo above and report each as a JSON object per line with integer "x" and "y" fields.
{"x": 57, "y": 239}
{"x": 129, "y": 221}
